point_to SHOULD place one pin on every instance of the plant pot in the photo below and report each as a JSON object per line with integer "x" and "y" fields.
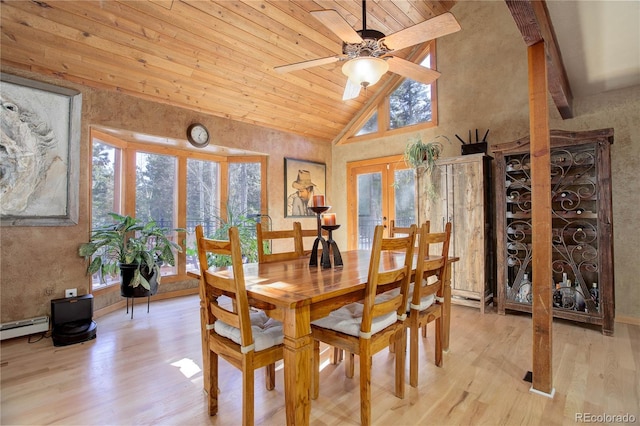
{"x": 127, "y": 272}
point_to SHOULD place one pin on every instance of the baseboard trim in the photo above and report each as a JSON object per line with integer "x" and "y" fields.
{"x": 627, "y": 320}
{"x": 160, "y": 296}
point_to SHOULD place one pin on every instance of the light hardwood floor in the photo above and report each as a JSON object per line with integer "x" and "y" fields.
{"x": 147, "y": 371}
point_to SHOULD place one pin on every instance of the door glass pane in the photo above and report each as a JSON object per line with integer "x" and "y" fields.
{"x": 369, "y": 207}
{"x": 405, "y": 198}
{"x": 155, "y": 193}
{"x": 203, "y": 203}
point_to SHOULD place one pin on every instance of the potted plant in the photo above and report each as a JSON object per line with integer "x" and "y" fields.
{"x": 422, "y": 157}
{"x": 133, "y": 248}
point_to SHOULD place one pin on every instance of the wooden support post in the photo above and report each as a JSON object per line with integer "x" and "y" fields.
{"x": 541, "y": 219}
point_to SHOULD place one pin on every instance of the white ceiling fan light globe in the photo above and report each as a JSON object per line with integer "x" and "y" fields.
{"x": 365, "y": 71}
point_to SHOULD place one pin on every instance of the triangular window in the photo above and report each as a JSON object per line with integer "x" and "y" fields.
{"x": 410, "y": 103}
{"x": 408, "y": 106}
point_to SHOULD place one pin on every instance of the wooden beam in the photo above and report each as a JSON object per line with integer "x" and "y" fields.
{"x": 532, "y": 19}
{"x": 542, "y": 309}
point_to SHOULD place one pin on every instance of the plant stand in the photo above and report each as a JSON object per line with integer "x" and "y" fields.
{"x": 134, "y": 298}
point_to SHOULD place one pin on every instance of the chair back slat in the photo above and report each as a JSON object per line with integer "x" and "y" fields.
{"x": 395, "y": 231}
{"x": 398, "y": 275}
{"x": 213, "y": 284}
{"x": 431, "y": 264}
{"x": 295, "y": 235}
{"x": 224, "y": 315}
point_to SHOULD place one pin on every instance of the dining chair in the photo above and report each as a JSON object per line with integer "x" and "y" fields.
{"x": 294, "y": 235}
{"x": 426, "y": 293}
{"x": 246, "y": 338}
{"x": 366, "y": 328}
{"x": 395, "y": 231}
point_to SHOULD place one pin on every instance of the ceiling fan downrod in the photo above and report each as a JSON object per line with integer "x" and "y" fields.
{"x": 369, "y": 45}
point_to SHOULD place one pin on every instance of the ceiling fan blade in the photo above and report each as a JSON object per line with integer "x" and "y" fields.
{"x": 307, "y": 64}
{"x": 336, "y": 23}
{"x": 435, "y": 27}
{"x": 413, "y": 71}
{"x": 351, "y": 90}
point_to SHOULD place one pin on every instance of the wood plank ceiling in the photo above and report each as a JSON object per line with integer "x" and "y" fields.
{"x": 216, "y": 57}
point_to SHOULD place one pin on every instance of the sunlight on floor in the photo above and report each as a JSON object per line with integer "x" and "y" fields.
{"x": 187, "y": 367}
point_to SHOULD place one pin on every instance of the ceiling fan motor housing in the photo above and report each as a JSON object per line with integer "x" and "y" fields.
{"x": 370, "y": 45}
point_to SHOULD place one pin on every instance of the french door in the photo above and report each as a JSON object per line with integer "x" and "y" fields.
{"x": 379, "y": 190}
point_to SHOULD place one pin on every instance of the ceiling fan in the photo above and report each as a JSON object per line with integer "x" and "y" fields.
{"x": 368, "y": 53}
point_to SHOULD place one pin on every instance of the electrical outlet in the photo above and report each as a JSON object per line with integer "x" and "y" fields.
{"x": 71, "y": 292}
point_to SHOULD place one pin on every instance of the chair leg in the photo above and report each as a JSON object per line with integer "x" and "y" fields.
{"x": 424, "y": 331}
{"x": 315, "y": 370}
{"x": 392, "y": 346}
{"x": 414, "y": 331}
{"x": 349, "y": 364}
{"x": 438, "y": 345}
{"x": 336, "y": 357}
{"x": 401, "y": 355}
{"x": 212, "y": 391}
{"x": 247, "y": 392}
{"x": 270, "y": 376}
{"x": 365, "y": 384}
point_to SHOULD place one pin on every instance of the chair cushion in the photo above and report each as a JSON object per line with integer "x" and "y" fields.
{"x": 267, "y": 332}
{"x": 348, "y": 319}
{"x": 425, "y": 301}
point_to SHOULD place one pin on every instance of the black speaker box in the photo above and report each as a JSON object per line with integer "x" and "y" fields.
{"x": 72, "y": 322}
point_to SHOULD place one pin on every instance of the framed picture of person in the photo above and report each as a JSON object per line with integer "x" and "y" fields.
{"x": 41, "y": 153}
{"x": 302, "y": 180}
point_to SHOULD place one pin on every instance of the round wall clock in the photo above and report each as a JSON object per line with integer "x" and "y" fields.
{"x": 198, "y": 135}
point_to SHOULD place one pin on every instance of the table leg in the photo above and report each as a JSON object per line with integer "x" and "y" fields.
{"x": 298, "y": 358}
{"x": 447, "y": 308}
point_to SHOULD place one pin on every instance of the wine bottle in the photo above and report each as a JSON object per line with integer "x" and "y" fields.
{"x": 595, "y": 294}
{"x": 557, "y": 297}
{"x": 580, "y": 303}
{"x": 524, "y": 294}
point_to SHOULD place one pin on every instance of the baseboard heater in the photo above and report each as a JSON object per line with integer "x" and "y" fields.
{"x": 24, "y": 327}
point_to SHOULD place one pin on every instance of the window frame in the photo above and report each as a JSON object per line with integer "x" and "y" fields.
{"x": 127, "y": 192}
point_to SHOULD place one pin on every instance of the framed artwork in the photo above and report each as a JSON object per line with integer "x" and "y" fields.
{"x": 302, "y": 180}
{"x": 40, "y": 153}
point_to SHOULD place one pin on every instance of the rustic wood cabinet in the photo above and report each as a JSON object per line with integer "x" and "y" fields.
{"x": 459, "y": 191}
{"x": 582, "y": 252}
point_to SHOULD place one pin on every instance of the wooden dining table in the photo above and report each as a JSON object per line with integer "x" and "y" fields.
{"x": 299, "y": 294}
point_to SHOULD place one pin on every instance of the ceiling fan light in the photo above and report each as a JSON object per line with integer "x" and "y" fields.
{"x": 365, "y": 71}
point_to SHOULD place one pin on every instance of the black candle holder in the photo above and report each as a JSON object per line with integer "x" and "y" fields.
{"x": 337, "y": 257}
{"x": 326, "y": 259}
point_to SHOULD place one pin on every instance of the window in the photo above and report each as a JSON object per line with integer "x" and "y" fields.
{"x": 244, "y": 188}
{"x": 408, "y": 106}
{"x": 410, "y": 103}
{"x": 371, "y": 126}
{"x": 208, "y": 186}
{"x": 105, "y": 175}
{"x": 155, "y": 193}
